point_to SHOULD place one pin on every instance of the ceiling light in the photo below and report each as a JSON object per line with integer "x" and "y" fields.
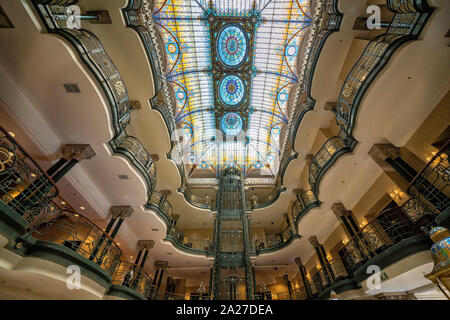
{"x": 82, "y": 208}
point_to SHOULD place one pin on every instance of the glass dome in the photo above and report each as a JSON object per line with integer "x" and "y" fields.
{"x": 232, "y": 45}
{"x": 231, "y": 90}
{"x": 231, "y": 123}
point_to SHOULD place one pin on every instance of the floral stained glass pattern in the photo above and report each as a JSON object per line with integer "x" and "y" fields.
{"x": 231, "y": 90}
{"x": 192, "y": 47}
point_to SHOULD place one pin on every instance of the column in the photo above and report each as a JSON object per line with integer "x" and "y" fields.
{"x": 162, "y": 266}
{"x": 389, "y": 154}
{"x": 347, "y": 219}
{"x": 118, "y": 213}
{"x": 306, "y": 283}
{"x": 72, "y": 154}
{"x": 320, "y": 251}
{"x": 144, "y": 247}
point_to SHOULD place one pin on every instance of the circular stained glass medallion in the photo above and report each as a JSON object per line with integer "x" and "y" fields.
{"x": 231, "y": 123}
{"x": 232, "y": 45}
{"x": 231, "y": 90}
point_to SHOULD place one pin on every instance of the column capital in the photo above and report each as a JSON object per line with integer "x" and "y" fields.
{"x": 166, "y": 193}
{"x": 135, "y": 105}
{"x": 314, "y": 242}
{"x": 309, "y": 157}
{"x": 155, "y": 157}
{"x": 383, "y": 151}
{"x": 121, "y": 211}
{"x": 162, "y": 264}
{"x": 330, "y": 106}
{"x": 78, "y": 151}
{"x": 175, "y": 217}
{"x": 339, "y": 209}
{"x": 145, "y": 244}
{"x": 298, "y": 261}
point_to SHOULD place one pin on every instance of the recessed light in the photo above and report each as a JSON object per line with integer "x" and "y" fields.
{"x": 82, "y": 208}
{"x": 12, "y": 134}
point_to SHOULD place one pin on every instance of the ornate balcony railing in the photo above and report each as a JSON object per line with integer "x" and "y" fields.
{"x": 410, "y": 17}
{"x": 132, "y": 276}
{"x": 24, "y": 186}
{"x": 161, "y": 205}
{"x": 323, "y": 278}
{"x": 430, "y": 189}
{"x": 190, "y": 244}
{"x": 274, "y": 241}
{"x": 132, "y": 148}
{"x": 92, "y": 53}
{"x": 77, "y": 233}
{"x": 390, "y": 227}
{"x": 305, "y": 202}
{"x": 327, "y": 20}
{"x": 333, "y": 148}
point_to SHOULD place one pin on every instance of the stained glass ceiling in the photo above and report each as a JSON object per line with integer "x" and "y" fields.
{"x": 231, "y": 65}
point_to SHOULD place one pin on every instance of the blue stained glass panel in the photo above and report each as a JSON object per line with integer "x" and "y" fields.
{"x": 232, "y": 90}
{"x": 232, "y": 45}
{"x": 231, "y": 123}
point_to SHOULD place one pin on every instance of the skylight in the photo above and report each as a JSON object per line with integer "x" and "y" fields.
{"x": 231, "y": 65}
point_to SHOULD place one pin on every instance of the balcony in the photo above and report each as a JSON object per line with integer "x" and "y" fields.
{"x": 70, "y": 238}
{"x": 25, "y": 189}
{"x": 189, "y": 244}
{"x": 430, "y": 190}
{"x": 332, "y": 277}
{"x": 391, "y": 236}
{"x": 274, "y": 241}
{"x": 129, "y": 280}
{"x": 161, "y": 205}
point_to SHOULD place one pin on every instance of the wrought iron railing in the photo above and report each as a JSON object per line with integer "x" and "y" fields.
{"x": 92, "y": 53}
{"x": 134, "y": 277}
{"x": 389, "y": 227}
{"x": 324, "y": 158}
{"x": 77, "y": 233}
{"x": 273, "y": 241}
{"x": 161, "y": 205}
{"x": 323, "y": 278}
{"x": 187, "y": 242}
{"x": 24, "y": 185}
{"x": 410, "y": 16}
{"x": 306, "y": 201}
{"x": 430, "y": 188}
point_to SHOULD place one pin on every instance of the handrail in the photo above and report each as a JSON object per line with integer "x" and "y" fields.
{"x": 134, "y": 277}
{"x": 389, "y": 227}
{"x": 429, "y": 163}
{"x": 24, "y": 185}
{"x": 78, "y": 233}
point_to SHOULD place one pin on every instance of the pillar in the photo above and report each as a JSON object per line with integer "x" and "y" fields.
{"x": 305, "y": 280}
{"x": 320, "y": 251}
{"x": 118, "y": 214}
{"x": 346, "y": 218}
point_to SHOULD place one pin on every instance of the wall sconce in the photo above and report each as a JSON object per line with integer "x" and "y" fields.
{"x": 329, "y": 258}
{"x": 345, "y": 241}
{"x": 319, "y": 267}
{"x": 430, "y": 157}
{"x": 396, "y": 195}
